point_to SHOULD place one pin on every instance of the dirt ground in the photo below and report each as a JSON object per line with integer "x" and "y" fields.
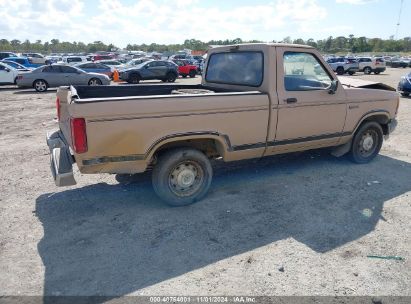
{"x": 300, "y": 224}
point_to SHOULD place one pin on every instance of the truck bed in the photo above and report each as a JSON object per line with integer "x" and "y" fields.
{"x": 100, "y": 93}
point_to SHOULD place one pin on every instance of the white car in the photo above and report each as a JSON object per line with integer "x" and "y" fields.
{"x": 73, "y": 60}
{"x": 36, "y": 58}
{"x": 369, "y": 65}
{"x": 113, "y": 64}
{"x": 8, "y": 74}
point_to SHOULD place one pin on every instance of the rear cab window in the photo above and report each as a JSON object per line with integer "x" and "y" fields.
{"x": 236, "y": 68}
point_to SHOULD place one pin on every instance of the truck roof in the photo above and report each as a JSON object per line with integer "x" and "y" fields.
{"x": 272, "y": 44}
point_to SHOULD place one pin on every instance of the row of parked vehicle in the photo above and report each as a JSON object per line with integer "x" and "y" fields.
{"x": 351, "y": 65}
{"x": 93, "y": 73}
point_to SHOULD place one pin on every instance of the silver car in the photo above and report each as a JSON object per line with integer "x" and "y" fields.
{"x": 59, "y": 75}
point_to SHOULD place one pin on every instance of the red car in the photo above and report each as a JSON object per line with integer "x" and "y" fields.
{"x": 186, "y": 68}
{"x": 102, "y": 57}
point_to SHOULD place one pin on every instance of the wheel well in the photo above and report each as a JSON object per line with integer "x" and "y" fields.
{"x": 210, "y": 147}
{"x": 381, "y": 119}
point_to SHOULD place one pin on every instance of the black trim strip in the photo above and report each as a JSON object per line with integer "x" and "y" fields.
{"x": 290, "y": 141}
{"x": 112, "y": 159}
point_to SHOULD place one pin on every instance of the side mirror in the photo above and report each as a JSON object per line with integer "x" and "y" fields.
{"x": 7, "y": 69}
{"x": 333, "y": 87}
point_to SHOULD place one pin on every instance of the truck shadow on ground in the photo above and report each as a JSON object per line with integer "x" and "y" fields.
{"x": 112, "y": 240}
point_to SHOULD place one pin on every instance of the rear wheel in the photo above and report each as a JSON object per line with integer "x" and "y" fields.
{"x": 40, "y": 85}
{"x": 182, "y": 176}
{"x": 171, "y": 77}
{"x": 340, "y": 70}
{"x": 405, "y": 94}
{"x": 366, "y": 143}
{"x": 192, "y": 73}
{"x": 367, "y": 70}
{"x": 134, "y": 78}
{"x": 94, "y": 82}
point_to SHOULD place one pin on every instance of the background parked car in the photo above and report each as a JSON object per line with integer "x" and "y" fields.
{"x": 94, "y": 67}
{"x": 8, "y": 74}
{"x": 102, "y": 57}
{"x": 7, "y": 55}
{"x": 17, "y": 66}
{"x": 57, "y": 75}
{"x": 185, "y": 68}
{"x": 369, "y": 65}
{"x": 23, "y": 61}
{"x": 54, "y": 59}
{"x": 135, "y": 62}
{"x": 162, "y": 70}
{"x": 399, "y": 63}
{"x": 36, "y": 58}
{"x": 73, "y": 60}
{"x": 404, "y": 87}
{"x": 114, "y": 64}
{"x": 343, "y": 65}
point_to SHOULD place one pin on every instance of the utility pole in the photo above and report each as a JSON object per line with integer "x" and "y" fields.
{"x": 399, "y": 19}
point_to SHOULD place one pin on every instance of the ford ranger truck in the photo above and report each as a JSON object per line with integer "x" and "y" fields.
{"x": 255, "y": 100}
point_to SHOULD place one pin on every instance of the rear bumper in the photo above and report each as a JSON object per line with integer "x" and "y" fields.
{"x": 61, "y": 160}
{"x": 380, "y": 69}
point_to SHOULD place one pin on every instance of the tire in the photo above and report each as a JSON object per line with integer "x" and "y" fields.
{"x": 351, "y": 72}
{"x": 171, "y": 77}
{"x": 94, "y": 82}
{"x": 192, "y": 74}
{"x": 340, "y": 70}
{"x": 134, "y": 78}
{"x": 182, "y": 176}
{"x": 15, "y": 80}
{"x": 405, "y": 94}
{"x": 367, "y": 70}
{"x": 377, "y": 72}
{"x": 366, "y": 143}
{"x": 40, "y": 85}
{"x": 184, "y": 75}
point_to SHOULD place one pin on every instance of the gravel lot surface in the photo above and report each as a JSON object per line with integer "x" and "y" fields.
{"x": 299, "y": 224}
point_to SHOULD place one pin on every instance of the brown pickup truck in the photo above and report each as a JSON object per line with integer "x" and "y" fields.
{"x": 255, "y": 100}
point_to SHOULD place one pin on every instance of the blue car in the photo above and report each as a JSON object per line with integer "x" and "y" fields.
{"x": 23, "y": 61}
{"x": 93, "y": 67}
{"x": 404, "y": 87}
{"x": 16, "y": 65}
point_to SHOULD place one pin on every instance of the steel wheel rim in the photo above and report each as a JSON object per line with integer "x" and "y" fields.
{"x": 40, "y": 85}
{"x": 94, "y": 82}
{"x": 368, "y": 143}
{"x": 186, "y": 178}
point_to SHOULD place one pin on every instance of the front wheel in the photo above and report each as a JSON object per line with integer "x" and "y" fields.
{"x": 340, "y": 70}
{"x": 40, "y": 85}
{"x": 182, "y": 176}
{"x": 94, "y": 82}
{"x": 134, "y": 78}
{"x": 366, "y": 143}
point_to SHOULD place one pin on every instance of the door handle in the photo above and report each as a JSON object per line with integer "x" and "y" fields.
{"x": 290, "y": 100}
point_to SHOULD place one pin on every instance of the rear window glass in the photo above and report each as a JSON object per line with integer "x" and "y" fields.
{"x": 74, "y": 59}
{"x": 239, "y": 68}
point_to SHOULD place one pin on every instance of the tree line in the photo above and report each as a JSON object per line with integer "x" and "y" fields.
{"x": 340, "y": 44}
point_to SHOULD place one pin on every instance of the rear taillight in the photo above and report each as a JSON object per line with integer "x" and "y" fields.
{"x": 78, "y": 134}
{"x": 58, "y": 108}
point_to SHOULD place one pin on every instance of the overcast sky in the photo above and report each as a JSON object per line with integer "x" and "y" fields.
{"x": 144, "y": 21}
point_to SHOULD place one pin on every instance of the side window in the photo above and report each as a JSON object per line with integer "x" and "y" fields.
{"x": 67, "y": 69}
{"x": 304, "y": 72}
{"x": 21, "y": 61}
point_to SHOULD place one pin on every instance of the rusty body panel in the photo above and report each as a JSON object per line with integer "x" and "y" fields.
{"x": 125, "y": 133}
